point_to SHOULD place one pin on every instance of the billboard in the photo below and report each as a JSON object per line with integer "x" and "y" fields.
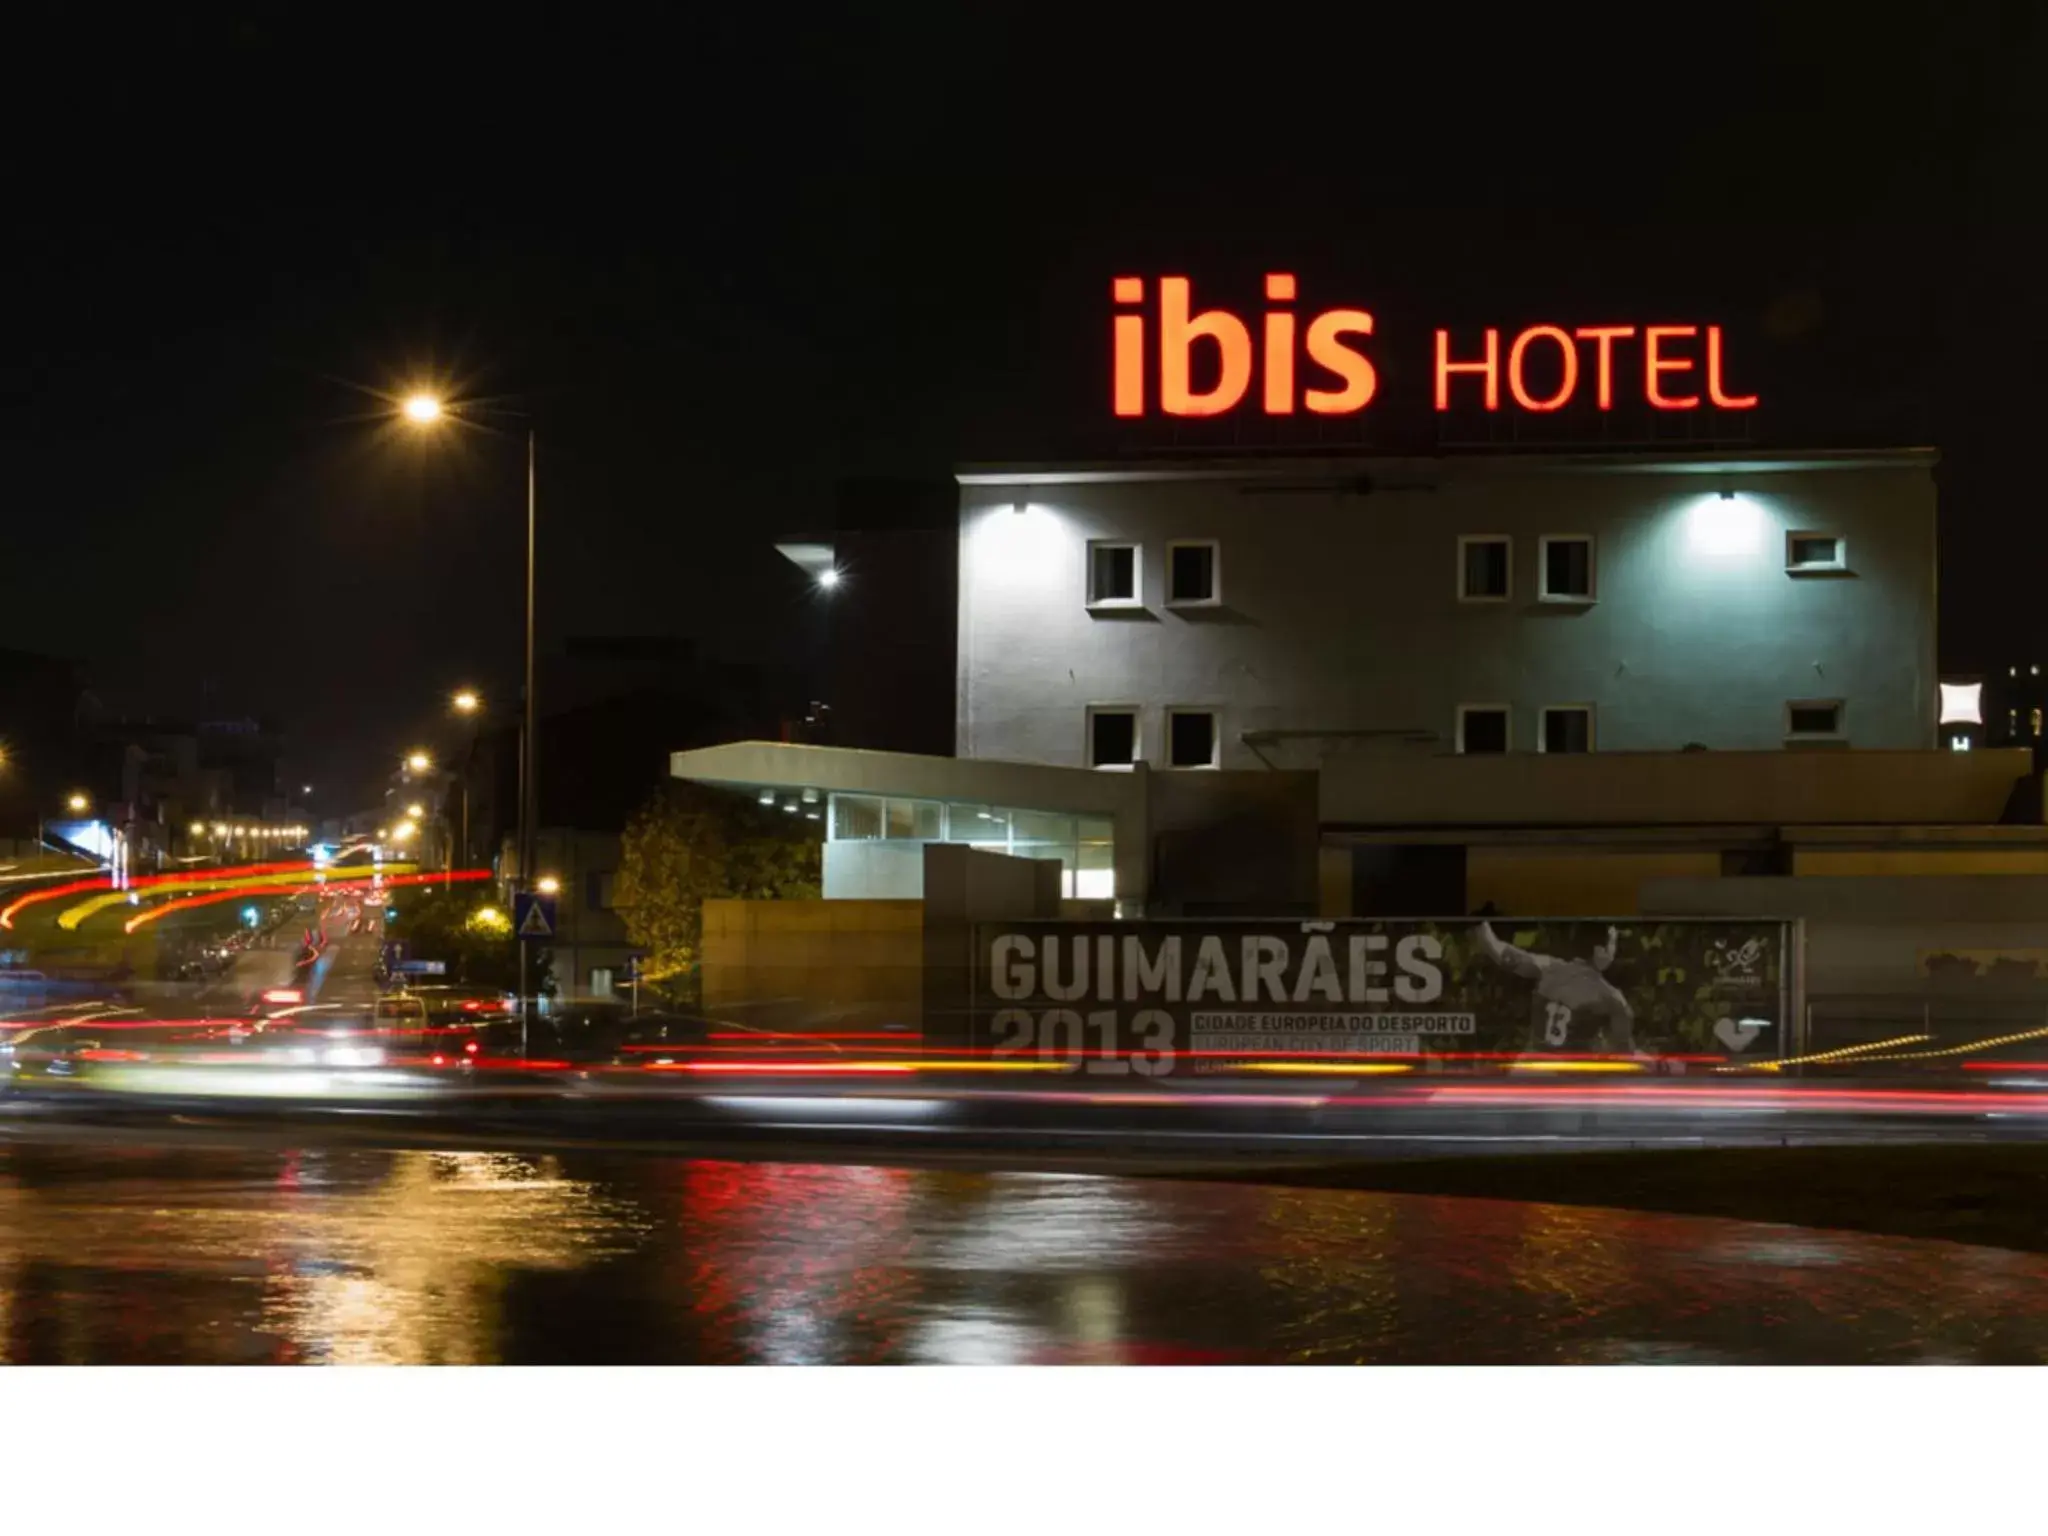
{"x": 1149, "y": 999}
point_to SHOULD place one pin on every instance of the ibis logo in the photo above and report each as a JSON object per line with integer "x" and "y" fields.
{"x": 1320, "y": 364}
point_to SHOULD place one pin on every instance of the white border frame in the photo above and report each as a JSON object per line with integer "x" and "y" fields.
{"x": 1838, "y": 567}
{"x": 1473, "y": 709}
{"x": 1458, "y": 576}
{"x": 1839, "y": 706}
{"x": 1215, "y": 597}
{"x": 1215, "y": 739}
{"x": 1590, "y": 711}
{"x": 1137, "y": 597}
{"x": 1137, "y": 737}
{"x": 1543, "y": 592}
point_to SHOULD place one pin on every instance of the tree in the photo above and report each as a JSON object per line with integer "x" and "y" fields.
{"x": 470, "y": 932}
{"x": 689, "y": 843}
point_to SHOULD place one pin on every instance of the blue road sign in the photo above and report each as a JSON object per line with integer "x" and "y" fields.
{"x": 533, "y": 915}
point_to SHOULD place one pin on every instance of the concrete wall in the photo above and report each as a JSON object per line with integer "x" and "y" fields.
{"x": 1559, "y": 883}
{"x": 874, "y": 871}
{"x": 1870, "y": 936}
{"x": 964, "y": 886}
{"x": 1339, "y": 611}
{"x": 814, "y": 964}
{"x": 1673, "y": 789}
{"x": 1233, "y": 844}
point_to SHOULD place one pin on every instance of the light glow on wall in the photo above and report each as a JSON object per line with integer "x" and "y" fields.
{"x": 1025, "y": 547}
{"x": 1721, "y": 527}
{"x": 1962, "y": 704}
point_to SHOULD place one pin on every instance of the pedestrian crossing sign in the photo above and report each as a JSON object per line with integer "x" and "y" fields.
{"x": 533, "y": 916}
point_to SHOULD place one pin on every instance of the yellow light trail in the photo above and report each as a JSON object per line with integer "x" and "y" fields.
{"x": 71, "y": 917}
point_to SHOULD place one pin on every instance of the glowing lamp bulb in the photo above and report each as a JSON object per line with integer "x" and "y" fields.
{"x": 422, "y": 409}
{"x": 828, "y": 578}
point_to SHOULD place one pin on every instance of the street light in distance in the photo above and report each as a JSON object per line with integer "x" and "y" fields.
{"x": 422, "y": 409}
{"x": 419, "y": 762}
{"x": 78, "y": 802}
{"x": 415, "y": 810}
{"x": 547, "y": 885}
{"x": 467, "y": 702}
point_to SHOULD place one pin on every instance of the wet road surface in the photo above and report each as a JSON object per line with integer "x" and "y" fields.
{"x": 144, "y": 1254}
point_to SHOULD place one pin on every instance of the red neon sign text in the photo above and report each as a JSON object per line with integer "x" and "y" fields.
{"x": 1204, "y": 361}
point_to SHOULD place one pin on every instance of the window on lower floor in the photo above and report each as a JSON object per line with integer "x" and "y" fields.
{"x": 1483, "y": 567}
{"x": 603, "y": 979}
{"x": 1813, "y": 717}
{"x": 1567, "y": 568}
{"x": 1482, "y": 727}
{"x": 1112, "y": 736}
{"x": 1567, "y": 728}
{"x": 597, "y": 890}
{"x": 1191, "y": 738}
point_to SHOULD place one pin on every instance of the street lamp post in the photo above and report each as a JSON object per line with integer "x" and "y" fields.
{"x": 427, "y": 410}
{"x": 467, "y": 703}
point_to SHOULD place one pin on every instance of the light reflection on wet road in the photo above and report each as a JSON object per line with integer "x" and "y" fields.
{"x": 132, "y": 1254}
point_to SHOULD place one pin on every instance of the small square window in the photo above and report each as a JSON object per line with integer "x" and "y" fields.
{"x": 1112, "y": 737}
{"x": 1112, "y": 575}
{"x": 1191, "y": 739}
{"x": 1815, "y": 552}
{"x": 1485, "y": 564}
{"x": 1813, "y": 717}
{"x": 1191, "y": 574}
{"x": 1567, "y": 568}
{"x": 1567, "y": 728}
{"x": 1482, "y": 727}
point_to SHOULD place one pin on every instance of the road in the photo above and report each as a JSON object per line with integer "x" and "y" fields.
{"x": 183, "y": 1253}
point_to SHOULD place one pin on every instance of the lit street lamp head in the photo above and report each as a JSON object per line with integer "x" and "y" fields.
{"x": 422, "y": 410}
{"x": 828, "y": 578}
{"x": 77, "y": 802}
{"x": 548, "y": 885}
{"x": 466, "y": 702}
{"x": 419, "y": 762}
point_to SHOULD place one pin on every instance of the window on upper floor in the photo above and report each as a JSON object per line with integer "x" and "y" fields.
{"x": 1112, "y": 736}
{"x": 1485, "y": 567}
{"x": 1112, "y": 574}
{"x": 1565, "y": 565}
{"x": 1482, "y": 728}
{"x": 1192, "y": 740}
{"x": 1193, "y": 573}
{"x": 1566, "y": 728}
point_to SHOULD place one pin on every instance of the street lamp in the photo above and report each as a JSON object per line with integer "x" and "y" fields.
{"x": 419, "y": 762}
{"x": 415, "y": 810}
{"x": 427, "y": 411}
{"x": 547, "y": 885}
{"x": 467, "y": 702}
{"x": 78, "y": 802}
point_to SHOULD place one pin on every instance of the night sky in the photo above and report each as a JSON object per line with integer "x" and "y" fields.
{"x": 727, "y": 264}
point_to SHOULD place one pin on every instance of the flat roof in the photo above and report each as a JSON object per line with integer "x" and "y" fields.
{"x": 914, "y": 776}
{"x": 1644, "y": 461}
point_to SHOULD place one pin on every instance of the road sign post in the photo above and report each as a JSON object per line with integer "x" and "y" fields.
{"x": 533, "y": 921}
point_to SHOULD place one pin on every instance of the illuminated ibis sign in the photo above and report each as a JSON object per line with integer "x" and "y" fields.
{"x": 1321, "y": 363}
